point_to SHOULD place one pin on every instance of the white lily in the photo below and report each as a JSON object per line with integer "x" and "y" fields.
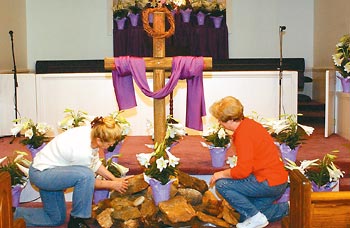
{"x": 232, "y": 161}
{"x": 144, "y": 158}
{"x": 3, "y": 159}
{"x": 308, "y": 130}
{"x": 23, "y": 169}
{"x": 161, "y": 163}
{"x": 334, "y": 173}
{"x": 29, "y": 133}
{"x": 173, "y": 161}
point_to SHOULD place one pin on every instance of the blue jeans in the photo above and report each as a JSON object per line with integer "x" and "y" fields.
{"x": 248, "y": 197}
{"x": 51, "y": 184}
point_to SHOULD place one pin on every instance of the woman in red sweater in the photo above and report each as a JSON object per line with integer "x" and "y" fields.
{"x": 259, "y": 177}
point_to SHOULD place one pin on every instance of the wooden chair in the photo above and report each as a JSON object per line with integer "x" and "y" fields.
{"x": 315, "y": 209}
{"x": 6, "y": 215}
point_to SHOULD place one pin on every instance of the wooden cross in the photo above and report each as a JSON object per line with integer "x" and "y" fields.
{"x": 158, "y": 63}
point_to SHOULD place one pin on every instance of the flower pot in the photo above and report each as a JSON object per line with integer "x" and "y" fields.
{"x": 109, "y": 154}
{"x": 134, "y": 19}
{"x": 160, "y": 192}
{"x": 100, "y": 194}
{"x": 329, "y": 187}
{"x": 345, "y": 83}
{"x": 201, "y": 18}
{"x": 186, "y": 15}
{"x": 16, "y": 194}
{"x": 34, "y": 151}
{"x": 285, "y": 196}
{"x": 218, "y": 156}
{"x": 121, "y": 23}
{"x": 217, "y": 21}
{"x": 287, "y": 152}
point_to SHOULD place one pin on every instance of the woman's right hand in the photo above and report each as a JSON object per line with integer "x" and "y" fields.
{"x": 120, "y": 184}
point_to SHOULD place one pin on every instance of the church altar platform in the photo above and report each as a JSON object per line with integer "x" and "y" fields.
{"x": 194, "y": 158}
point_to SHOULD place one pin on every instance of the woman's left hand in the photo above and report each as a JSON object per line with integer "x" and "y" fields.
{"x": 218, "y": 175}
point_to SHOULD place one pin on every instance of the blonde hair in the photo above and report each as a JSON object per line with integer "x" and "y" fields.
{"x": 106, "y": 129}
{"x": 228, "y": 108}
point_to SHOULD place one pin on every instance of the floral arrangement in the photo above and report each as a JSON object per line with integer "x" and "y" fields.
{"x": 174, "y": 131}
{"x": 321, "y": 172}
{"x": 287, "y": 130}
{"x": 217, "y": 136}
{"x": 17, "y": 166}
{"x": 137, "y": 6}
{"x": 200, "y": 5}
{"x": 74, "y": 119}
{"x": 160, "y": 164}
{"x": 341, "y": 57}
{"x": 34, "y": 133}
{"x": 116, "y": 169}
{"x": 123, "y": 123}
{"x": 216, "y": 8}
{"x": 121, "y": 9}
{"x": 185, "y": 4}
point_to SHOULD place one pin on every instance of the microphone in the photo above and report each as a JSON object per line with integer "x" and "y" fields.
{"x": 11, "y": 34}
{"x": 282, "y": 28}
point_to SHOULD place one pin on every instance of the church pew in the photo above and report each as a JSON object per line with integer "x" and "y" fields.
{"x": 315, "y": 209}
{"x": 6, "y": 214}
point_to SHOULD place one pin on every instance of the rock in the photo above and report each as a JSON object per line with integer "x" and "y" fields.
{"x": 138, "y": 201}
{"x": 177, "y": 209}
{"x": 136, "y": 184}
{"x": 211, "y": 219}
{"x": 229, "y": 214}
{"x": 148, "y": 208}
{"x": 131, "y": 224}
{"x": 104, "y": 218}
{"x": 188, "y": 181}
{"x": 192, "y": 196}
{"x": 210, "y": 204}
{"x": 126, "y": 213}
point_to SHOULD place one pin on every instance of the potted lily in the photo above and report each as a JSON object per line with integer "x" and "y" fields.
{"x": 17, "y": 166}
{"x": 160, "y": 170}
{"x": 174, "y": 131}
{"x": 341, "y": 60}
{"x": 120, "y": 12}
{"x": 200, "y": 9}
{"x": 35, "y": 133}
{"x": 219, "y": 141}
{"x": 323, "y": 173}
{"x": 217, "y": 12}
{"x": 288, "y": 134}
{"x": 125, "y": 125}
{"x": 74, "y": 119}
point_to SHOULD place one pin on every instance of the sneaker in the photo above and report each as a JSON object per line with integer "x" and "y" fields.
{"x": 75, "y": 222}
{"x": 257, "y": 221}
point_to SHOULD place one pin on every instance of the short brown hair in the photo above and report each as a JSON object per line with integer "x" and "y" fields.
{"x": 228, "y": 108}
{"x": 106, "y": 129}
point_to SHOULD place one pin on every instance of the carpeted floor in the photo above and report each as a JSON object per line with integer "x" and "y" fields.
{"x": 195, "y": 159}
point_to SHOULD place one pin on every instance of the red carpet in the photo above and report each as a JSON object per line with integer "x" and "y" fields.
{"x": 195, "y": 159}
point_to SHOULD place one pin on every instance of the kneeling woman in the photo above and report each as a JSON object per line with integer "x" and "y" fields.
{"x": 71, "y": 159}
{"x": 259, "y": 178}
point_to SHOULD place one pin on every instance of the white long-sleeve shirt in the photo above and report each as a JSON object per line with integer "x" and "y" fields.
{"x": 72, "y": 147}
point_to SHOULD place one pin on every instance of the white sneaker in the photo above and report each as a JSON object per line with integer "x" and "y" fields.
{"x": 257, "y": 221}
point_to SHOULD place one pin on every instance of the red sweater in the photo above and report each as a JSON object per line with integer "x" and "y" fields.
{"x": 257, "y": 154}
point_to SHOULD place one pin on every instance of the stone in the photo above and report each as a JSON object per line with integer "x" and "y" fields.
{"x": 210, "y": 204}
{"x": 229, "y": 214}
{"x": 212, "y": 219}
{"x": 192, "y": 196}
{"x": 104, "y": 218}
{"x": 177, "y": 209}
{"x": 187, "y": 181}
{"x": 136, "y": 184}
{"x": 148, "y": 209}
{"x": 126, "y": 213}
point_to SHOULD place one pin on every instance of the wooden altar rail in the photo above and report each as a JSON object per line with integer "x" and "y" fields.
{"x": 6, "y": 216}
{"x": 315, "y": 209}
{"x": 151, "y": 62}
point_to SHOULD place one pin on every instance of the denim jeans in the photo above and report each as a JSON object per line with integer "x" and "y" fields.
{"x": 51, "y": 184}
{"x": 248, "y": 197}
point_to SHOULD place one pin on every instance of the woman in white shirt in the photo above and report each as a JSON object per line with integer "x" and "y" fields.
{"x": 71, "y": 159}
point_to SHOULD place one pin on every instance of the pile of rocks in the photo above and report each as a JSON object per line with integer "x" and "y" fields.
{"x": 191, "y": 204}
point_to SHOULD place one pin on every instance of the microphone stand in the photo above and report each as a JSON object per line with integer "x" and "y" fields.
{"x": 281, "y": 29}
{"x": 15, "y": 78}
{"x": 14, "y": 72}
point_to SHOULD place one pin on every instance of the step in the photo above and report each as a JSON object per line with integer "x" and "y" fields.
{"x": 311, "y": 106}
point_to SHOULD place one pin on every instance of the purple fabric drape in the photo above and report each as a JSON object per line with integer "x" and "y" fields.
{"x": 189, "y": 68}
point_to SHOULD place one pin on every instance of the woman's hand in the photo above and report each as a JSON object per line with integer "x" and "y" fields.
{"x": 120, "y": 184}
{"x": 219, "y": 175}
